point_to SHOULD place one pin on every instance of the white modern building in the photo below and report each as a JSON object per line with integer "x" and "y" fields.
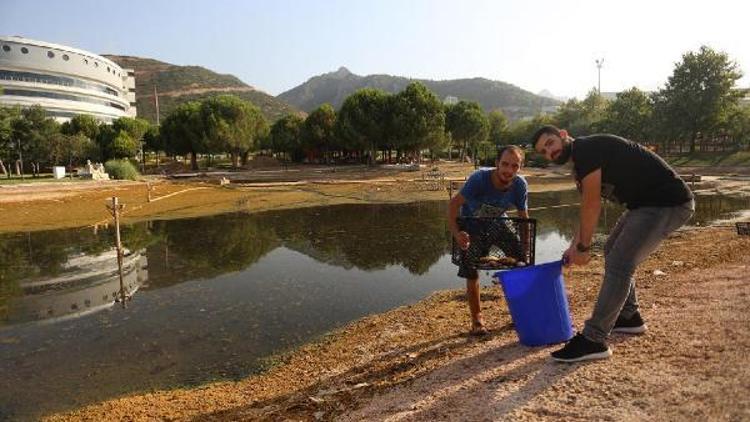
{"x": 64, "y": 80}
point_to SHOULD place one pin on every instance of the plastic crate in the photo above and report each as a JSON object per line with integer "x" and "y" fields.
{"x": 496, "y": 243}
{"x": 743, "y": 228}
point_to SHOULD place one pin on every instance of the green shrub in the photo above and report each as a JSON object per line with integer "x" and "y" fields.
{"x": 121, "y": 169}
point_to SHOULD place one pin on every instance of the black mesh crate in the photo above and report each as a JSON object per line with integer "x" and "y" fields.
{"x": 496, "y": 243}
{"x": 743, "y": 228}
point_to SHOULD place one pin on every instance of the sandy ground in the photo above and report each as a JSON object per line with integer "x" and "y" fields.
{"x": 416, "y": 362}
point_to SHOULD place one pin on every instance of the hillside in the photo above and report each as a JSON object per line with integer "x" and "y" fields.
{"x": 334, "y": 87}
{"x": 179, "y": 84}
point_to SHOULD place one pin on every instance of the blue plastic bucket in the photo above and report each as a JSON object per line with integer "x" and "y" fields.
{"x": 537, "y": 303}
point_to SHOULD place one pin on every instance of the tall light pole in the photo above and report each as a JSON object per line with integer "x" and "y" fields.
{"x": 599, "y": 63}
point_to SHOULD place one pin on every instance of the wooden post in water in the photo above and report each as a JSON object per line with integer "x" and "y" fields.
{"x": 115, "y": 209}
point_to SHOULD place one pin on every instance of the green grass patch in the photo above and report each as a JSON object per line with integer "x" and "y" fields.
{"x": 718, "y": 159}
{"x": 41, "y": 178}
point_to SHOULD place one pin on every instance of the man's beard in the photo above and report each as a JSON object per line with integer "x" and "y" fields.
{"x": 565, "y": 153}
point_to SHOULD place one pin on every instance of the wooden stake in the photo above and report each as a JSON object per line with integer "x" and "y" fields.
{"x": 115, "y": 209}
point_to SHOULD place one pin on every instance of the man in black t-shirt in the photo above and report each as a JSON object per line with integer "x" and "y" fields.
{"x": 657, "y": 201}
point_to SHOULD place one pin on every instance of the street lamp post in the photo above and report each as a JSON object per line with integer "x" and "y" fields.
{"x": 599, "y": 63}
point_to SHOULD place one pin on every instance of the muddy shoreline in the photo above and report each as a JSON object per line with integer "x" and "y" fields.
{"x": 57, "y": 205}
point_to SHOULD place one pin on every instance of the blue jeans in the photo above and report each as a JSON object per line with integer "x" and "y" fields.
{"x": 637, "y": 233}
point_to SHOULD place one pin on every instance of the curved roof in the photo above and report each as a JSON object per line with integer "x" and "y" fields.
{"x": 44, "y": 44}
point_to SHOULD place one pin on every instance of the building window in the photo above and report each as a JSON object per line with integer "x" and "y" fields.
{"x": 65, "y": 57}
{"x": 6, "y": 48}
{"x": 10, "y": 75}
{"x": 51, "y": 55}
{"x": 24, "y": 50}
{"x": 56, "y": 96}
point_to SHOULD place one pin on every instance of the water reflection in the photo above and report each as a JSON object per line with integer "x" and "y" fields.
{"x": 86, "y": 283}
{"x": 221, "y": 293}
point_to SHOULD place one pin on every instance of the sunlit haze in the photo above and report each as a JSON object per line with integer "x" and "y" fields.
{"x": 276, "y": 45}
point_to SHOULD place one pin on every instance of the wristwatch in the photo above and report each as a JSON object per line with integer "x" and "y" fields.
{"x": 582, "y": 248}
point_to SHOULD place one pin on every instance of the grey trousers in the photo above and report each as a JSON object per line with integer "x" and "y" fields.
{"x": 637, "y": 233}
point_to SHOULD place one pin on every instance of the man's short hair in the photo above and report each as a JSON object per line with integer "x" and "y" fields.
{"x": 544, "y": 130}
{"x": 514, "y": 148}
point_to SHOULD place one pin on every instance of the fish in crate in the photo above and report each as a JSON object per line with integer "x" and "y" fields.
{"x": 496, "y": 243}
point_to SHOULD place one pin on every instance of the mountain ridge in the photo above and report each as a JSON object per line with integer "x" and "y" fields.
{"x": 177, "y": 84}
{"x": 333, "y": 88}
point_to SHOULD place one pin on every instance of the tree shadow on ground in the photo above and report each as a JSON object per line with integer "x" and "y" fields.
{"x": 377, "y": 375}
{"x": 500, "y": 380}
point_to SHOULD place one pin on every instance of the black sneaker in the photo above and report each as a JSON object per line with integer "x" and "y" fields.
{"x": 632, "y": 325}
{"x": 580, "y": 348}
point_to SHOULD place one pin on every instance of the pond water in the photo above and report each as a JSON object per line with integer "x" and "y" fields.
{"x": 215, "y": 297}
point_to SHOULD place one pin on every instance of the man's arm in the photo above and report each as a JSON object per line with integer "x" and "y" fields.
{"x": 591, "y": 206}
{"x": 453, "y": 206}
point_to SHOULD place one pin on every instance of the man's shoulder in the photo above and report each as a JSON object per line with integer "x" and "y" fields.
{"x": 520, "y": 182}
{"x": 478, "y": 176}
{"x": 599, "y": 139}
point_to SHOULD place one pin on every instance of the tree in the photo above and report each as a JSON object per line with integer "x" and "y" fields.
{"x": 467, "y": 124}
{"x": 7, "y": 116}
{"x": 183, "y": 133}
{"x": 499, "y": 132}
{"x": 630, "y": 116}
{"x": 57, "y": 146}
{"x": 285, "y": 135}
{"x": 83, "y": 131}
{"x": 318, "y": 130}
{"x": 582, "y": 117}
{"x": 104, "y": 140}
{"x": 361, "y": 122}
{"x": 739, "y": 125}
{"x": 417, "y": 116}
{"x": 699, "y": 95}
{"x": 521, "y": 131}
{"x": 80, "y": 147}
{"x": 136, "y": 128}
{"x": 153, "y": 141}
{"x": 124, "y": 145}
{"x": 232, "y": 125}
{"x": 31, "y": 132}
{"x": 84, "y": 124}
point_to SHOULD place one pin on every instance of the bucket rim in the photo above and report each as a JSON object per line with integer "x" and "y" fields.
{"x": 557, "y": 263}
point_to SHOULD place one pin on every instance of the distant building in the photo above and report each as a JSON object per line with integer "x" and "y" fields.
{"x": 63, "y": 80}
{"x": 745, "y": 100}
{"x": 450, "y": 100}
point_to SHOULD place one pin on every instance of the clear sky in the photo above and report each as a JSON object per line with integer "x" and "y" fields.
{"x": 275, "y": 45}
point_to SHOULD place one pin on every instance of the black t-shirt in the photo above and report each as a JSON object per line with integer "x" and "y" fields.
{"x": 631, "y": 174}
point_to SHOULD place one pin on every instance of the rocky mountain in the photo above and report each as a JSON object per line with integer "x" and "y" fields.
{"x": 334, "y": 87}
{"x": 178, "y": 84}
{"x": 546, "y": 93}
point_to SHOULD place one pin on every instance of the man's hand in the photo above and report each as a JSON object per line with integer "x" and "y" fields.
{"x": 463, "y": 240}
{"x": 573, "y": 257}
